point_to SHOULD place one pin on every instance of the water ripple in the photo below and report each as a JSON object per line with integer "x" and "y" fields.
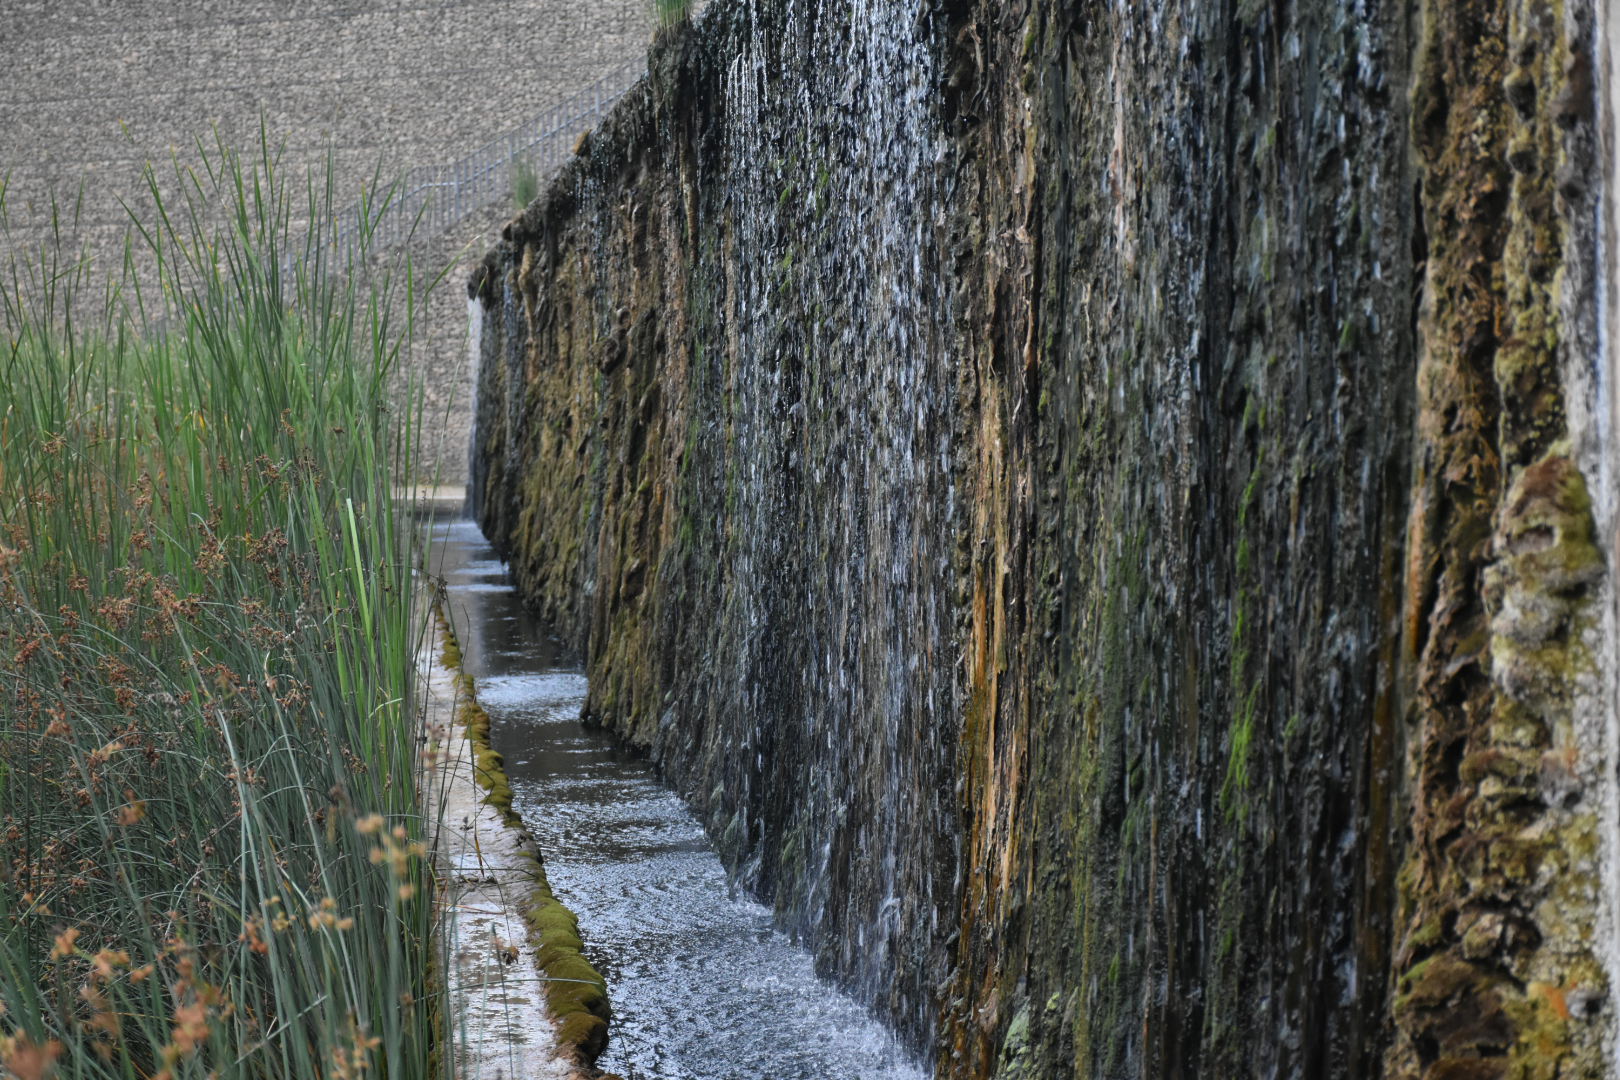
{"x": 703, "y": 986}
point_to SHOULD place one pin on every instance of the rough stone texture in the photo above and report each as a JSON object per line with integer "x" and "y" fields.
{"x": 808, "y": 711}
{"x": 93, "y": 91}
{"x": 1194, "y": 353}
{"x": 1081, "y": 499}
{"x": 1499, "y": 971}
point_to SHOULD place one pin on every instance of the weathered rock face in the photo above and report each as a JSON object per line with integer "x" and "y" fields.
{"x": 720, "y": 436}
{"x": 1091, "y": 505}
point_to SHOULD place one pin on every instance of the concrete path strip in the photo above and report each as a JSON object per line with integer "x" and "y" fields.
{"x": 489, "y": 880}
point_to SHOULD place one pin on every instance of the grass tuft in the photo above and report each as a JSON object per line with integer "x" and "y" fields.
{"x": 525, "y": 184}
{"x": 672, "y": 12}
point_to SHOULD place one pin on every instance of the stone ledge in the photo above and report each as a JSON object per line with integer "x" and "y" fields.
{"x": 516, "y": 956}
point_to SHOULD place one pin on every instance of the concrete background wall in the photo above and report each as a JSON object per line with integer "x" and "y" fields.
{"x": 93, "y": 90}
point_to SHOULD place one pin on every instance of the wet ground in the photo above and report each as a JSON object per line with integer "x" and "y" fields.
{"x": 702, "y": 986}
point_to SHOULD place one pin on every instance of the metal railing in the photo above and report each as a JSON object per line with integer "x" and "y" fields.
{"x": 431, "y": 198}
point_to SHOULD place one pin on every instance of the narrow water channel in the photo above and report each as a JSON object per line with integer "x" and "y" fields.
{"x": 702, "y": 986}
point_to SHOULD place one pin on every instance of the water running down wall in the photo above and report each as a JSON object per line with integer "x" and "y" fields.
{"x": 1091, "y": 506}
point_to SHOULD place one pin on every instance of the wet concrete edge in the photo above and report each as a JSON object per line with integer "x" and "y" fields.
{"x": 575, "y": 992}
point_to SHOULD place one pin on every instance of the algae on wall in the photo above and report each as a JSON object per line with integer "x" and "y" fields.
{"x": 1196, "y": 356}
{"x": 1499, "y": 970}
{"x": 1078, "y": 497}
{"x": 717, "y": 426}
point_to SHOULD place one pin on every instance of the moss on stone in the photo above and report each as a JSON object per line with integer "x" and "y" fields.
{"x": 576, "y": 993}
{"x": 1497, "y": 893}
{"x": 1179, "y": 455}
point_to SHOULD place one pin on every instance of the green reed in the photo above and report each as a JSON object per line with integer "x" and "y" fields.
{"x": 211, "y": 850}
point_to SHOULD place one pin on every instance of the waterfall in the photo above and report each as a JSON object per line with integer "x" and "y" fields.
{"x": 475, "y": 464}
{"x": 1088, "y": 504}
{"x": 839, "y": 313}
{"x": 1602, "y": 460}
{"x": 782, "y": 459}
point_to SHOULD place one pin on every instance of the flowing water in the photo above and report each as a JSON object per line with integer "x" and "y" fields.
{"x": 702, "y": 986}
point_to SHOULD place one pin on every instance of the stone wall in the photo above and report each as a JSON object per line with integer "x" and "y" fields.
{"x": 1091, "y": 505}
{"x": 93, "y": 91}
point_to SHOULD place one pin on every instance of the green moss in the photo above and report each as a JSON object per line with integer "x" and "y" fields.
{"x": 1349, "y": 335}
{"x": 1438, "y": 981}
{"x": 1429, "y": 934}
{"x": 1237, "y": 762}
{"x": 1514, "y": 543}
{"x": 1016, "y": 1059}
{"x": 585, "y": 1031}
{"x": 449, "y": 648}
{"x": 1245, "y": 685}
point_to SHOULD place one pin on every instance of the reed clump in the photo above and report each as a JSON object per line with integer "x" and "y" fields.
{"x": 212, "y": 860}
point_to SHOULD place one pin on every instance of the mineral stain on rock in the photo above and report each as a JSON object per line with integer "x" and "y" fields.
{"x": 1093, "y": 507}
